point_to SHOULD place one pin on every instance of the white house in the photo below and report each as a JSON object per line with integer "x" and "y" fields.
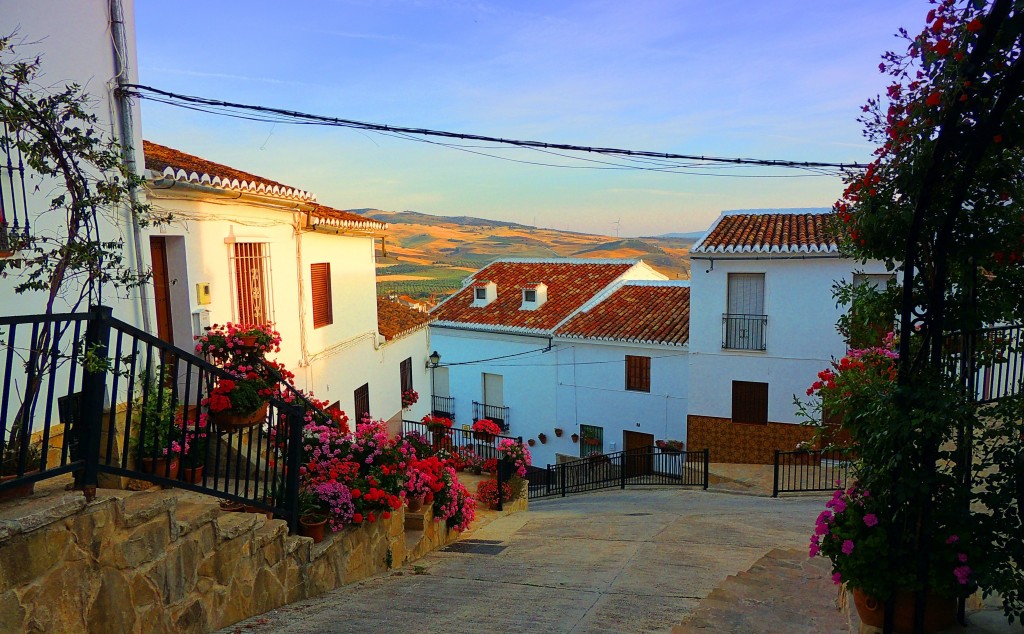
{"x": 247, "y": 249}
{"x": 762, "y": 328}
{"x": 595, "y": 348}
{"x": 91, "y": 44}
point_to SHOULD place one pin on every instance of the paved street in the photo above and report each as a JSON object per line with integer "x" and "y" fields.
{"x": 622, "y": 561}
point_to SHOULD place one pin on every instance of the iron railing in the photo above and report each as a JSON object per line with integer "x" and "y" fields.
{"x": 643, "y": 466}
{"x": 744, "y": 332}
{"x": 443, "y": 406}
{"x": 988, "y": 362}
{"x": 125, "y": 398}
{"x": 494, "y": 413}
{"x": 484, "y": 445}
{"x": 810, "y": 470}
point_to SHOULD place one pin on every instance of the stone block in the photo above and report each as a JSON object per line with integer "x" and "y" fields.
{"x": 268, "y": 592}
{"x": 12, "y": 614}
{"x": 58, "y": 602}
{"x": 191, "y": 619}
{"x": 231, "y": 525}
{"x": 174, "y": 575}
{"x": 146, "y": 543}
{"x": 29, "y": 557}
{"x": 142, "y": 507}
{"x": 110, "y": 612}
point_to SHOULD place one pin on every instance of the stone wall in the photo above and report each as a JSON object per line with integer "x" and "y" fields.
{"x": 172, "y": 561}
{"x": 742, "y": 442}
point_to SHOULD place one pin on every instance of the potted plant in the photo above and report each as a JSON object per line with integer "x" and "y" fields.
{"x": 532, "y": 442}
{"x": 440, "y": 427}
{"x": 575, "y": 438}
{"x": 196, "y": 447}
{"x": 9, "y": 461}
{"x": 486, "y": 430}
{"x": 558, "y": 432}
{"x": 227, "y": 340}
{"x": 487, "y": 493}
{"x": 312, "y": 516}
{"x": 670, "y": 446}
{"x": 157, "y": 442}
{"x": 542, "y": 437}
{"x": 239, "y": 403}
{"x": 409, "y": 398}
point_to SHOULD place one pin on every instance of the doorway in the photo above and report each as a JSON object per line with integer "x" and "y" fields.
{"x": 639, "y": 453}
{"x": 161, "y": 289}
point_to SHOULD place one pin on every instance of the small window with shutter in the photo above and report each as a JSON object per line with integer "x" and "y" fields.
{"x": 362, "y": 402}
{"x": 749, "y": 402}
{"x": 405, "y": 373}
{"x": 638, "y": 373}
{"x": 323, "y": 305}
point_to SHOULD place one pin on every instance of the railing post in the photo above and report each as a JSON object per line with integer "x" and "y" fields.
{"x": 547, "y": 481}
{"x": 294, "y": 417}
{"x": 498, "y": 476}
{"x": 622, "y": 469}
{"x": 561, "y": 478}
{"x": 90, "y": 421}
{"x": 775, "y": 479}
{"x": 707, "y": 467}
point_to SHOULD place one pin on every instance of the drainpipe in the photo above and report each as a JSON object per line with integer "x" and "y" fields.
{"x": 124, "y": 120}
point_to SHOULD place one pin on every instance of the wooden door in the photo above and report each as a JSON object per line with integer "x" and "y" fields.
{"x": 639, "y": 454}
{"x": 161, "y": 289}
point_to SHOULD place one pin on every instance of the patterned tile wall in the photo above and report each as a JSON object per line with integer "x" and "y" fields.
{"x": 741, "y": 442}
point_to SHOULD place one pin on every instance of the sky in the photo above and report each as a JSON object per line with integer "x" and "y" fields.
{"x": 783, "y": 79}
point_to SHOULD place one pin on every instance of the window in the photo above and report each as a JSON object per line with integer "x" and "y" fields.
{"x": 362, "y": 398}
{"x": 744, "y": 323}
{"x": 638, "y": 373}
{"x": 749, "y": 402}
{"x": 405, "y": 371}
{"x": 529, "y": 296}
{"x": 323, "y": 304}
{"x": 591, "y": 440}
{"x": 480, "y": 294}
{"x": 250, "y": 264}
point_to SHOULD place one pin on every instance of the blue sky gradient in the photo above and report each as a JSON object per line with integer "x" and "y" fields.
{"x": 727, "y": 78}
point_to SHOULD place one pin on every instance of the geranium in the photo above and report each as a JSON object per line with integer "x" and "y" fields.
{"x": 409, "y": 398}
{"x": 487, "y": 492}
{"x": 485, "y": 427}
{"x": 517, "y": 453}
{"x": 437, "y": 423}
{"x": 222, "y": 341}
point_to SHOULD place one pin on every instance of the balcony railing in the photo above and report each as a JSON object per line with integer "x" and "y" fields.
{"x": 443, "y": 406}
{"x": 491, "y": 412}
{"x": 744, "y": 332}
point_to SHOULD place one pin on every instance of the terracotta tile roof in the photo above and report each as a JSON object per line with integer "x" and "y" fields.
{"x": 769, "y": 231}
{"x": 180, "y": 166}
{"x": 322, "y": 215}
{"x": 395, "y": 320}
{"x": 571, "y": 284}
{"x": 638, "y": 312}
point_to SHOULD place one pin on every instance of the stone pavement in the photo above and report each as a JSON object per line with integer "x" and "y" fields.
{"x": 638, "y": 560}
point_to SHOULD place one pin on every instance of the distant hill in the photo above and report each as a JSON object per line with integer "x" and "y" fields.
{"x": 692, "y": 236}
{"x": 425, "y": 255}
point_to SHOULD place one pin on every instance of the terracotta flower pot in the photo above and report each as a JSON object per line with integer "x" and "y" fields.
{"x": 558, "y": 432}
{"x": 231, "y": 506}
{"x": 249, "y": 508}
{"x": 532, "y": 442}
{"x": 575, "y": 437}
{"x": 939, "y": 611}
{"x": 312, "y": 527}
{"x": 21, "y": 491}
{"x": 483, "y": 436}
{"x": 248, "y": 342}
{"x": 192, "y": 475}
{"x": 543, "y": 438}
{"x": 160, "y": 467}
{"x": 415, "y": 503}
{"x": 232, "y": 422}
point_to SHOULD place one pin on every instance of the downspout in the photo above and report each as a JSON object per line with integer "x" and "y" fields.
{"x": 125, "y": 132}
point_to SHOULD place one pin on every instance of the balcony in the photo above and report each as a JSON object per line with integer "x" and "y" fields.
{"x": 744, "y": 332}
{"x": 491, "y": 412}
{"x": 443, "y": 406}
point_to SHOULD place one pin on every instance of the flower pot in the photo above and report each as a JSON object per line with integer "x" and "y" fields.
{"x": 483, "y": 436}
{"x": 575, "y": 437}
{"x": 249, "y": 508}
{"x": 543, "y": 438}
{"x": 939, "y": 611}
{"x": 226, "y": 421}
{"x": 558, "y": 432}
{"x": 312, "y": 527}
{"x": 192, "y": 475}
{"x": 415, "y": 503}
{"x": 21, "y": 491}
{"x": 532, "y": 442}
{"x": 231, "y": 506}
{"x": 248, "y": 342}
{"x": 160, "y": 467}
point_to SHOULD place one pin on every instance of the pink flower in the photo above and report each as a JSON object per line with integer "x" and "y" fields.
{"x": 963, "y": 574}
{"x": 871, "y": 520}
{"x": 837, "y": 578}
{"x": 952, "y": 539}
{"x": 962, "y": 557}
{"x": 847, "y": 547}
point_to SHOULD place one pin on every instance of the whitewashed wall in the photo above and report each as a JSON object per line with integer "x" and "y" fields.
{"x": 801, "y": 336}
{"x": 73, "y": 39}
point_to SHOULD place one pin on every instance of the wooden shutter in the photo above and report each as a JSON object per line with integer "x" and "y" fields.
{"x": 405, "y": 369}
{"x": 323, "y": 305}
{"x": 749, "y": 402}
{"x": 638, "y": 373}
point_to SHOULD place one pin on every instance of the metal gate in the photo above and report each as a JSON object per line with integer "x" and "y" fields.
{"x": 643, "y": 466}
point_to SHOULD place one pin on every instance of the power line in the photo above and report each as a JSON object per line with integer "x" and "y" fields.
{"x": 280, "y": 115}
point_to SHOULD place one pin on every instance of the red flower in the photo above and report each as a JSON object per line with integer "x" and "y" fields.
{"x": 942, "y": 48}
{"x": 371, "y": 517}
{"x": 357, "y": 518}
{"x": 997, "y": 138}
{"x": 226, "y": 385}
{"x": 974, "y": 25}
{"x": 934, "y": 99}
{"x": 386, "y": 515}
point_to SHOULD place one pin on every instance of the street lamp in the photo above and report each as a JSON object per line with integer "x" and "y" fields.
{"x": 435, "y": 360}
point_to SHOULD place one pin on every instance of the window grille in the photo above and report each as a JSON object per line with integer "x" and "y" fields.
{"x": 591, "y": 440}
{"x": 638, "y": 373}
{"x": 250, "y": 265}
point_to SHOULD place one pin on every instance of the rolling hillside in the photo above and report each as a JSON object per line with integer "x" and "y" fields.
{"x": 427, "y": 254}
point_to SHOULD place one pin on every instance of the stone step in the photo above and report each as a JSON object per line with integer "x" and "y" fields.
{"x": 145, "y": 505}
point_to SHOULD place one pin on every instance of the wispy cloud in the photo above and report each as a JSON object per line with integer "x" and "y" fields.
{"x": 145, "y": 70}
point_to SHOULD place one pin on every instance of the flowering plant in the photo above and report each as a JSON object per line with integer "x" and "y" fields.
{"x": 851, "y": 532}
{"x": 452, "y": 502}
{"x": 230, "y": 339}
{"x": 158, "y": 420}
{"x": 195, "y": 435}
{"x": 422, "y": 477}
{"x": 485, "y": 427}
{"x": 669, "y": 445}
{"x": 487, "y": 492}
{"x": 242, "y": 396}
{"x": 437, "y": 423}
{"x": 516, "y": 453}
{"x": 409, "y": 398}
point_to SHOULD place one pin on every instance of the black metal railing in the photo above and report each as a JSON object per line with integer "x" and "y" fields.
{"x": 644, "y": 466}
{"x": 128, "y": 404}
{"x": 494, "y": 413}
{"x": 989, "y": 362}
{"x": 744, "y": 332}
{"x": 443, "y": 406}
{"x": 457, "y": 438}
{"x": 811, "y": 470}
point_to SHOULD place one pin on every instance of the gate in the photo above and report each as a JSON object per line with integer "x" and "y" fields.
{"x": 642, "y": 466}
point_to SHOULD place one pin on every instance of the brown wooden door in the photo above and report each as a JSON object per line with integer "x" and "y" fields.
{"x": 161, "y": 289}
{"x": 639, "y": 453}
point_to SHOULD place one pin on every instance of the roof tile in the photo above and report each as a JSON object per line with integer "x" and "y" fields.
{"x": 636, "y": 312}
{"x": 770, "y": 232}
{"x": 394, "y": 319}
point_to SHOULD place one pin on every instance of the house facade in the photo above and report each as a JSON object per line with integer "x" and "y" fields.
{"x": 571, "y": 346}
{"x": 763, "y": 328}
{"x": 246, "y": 249}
